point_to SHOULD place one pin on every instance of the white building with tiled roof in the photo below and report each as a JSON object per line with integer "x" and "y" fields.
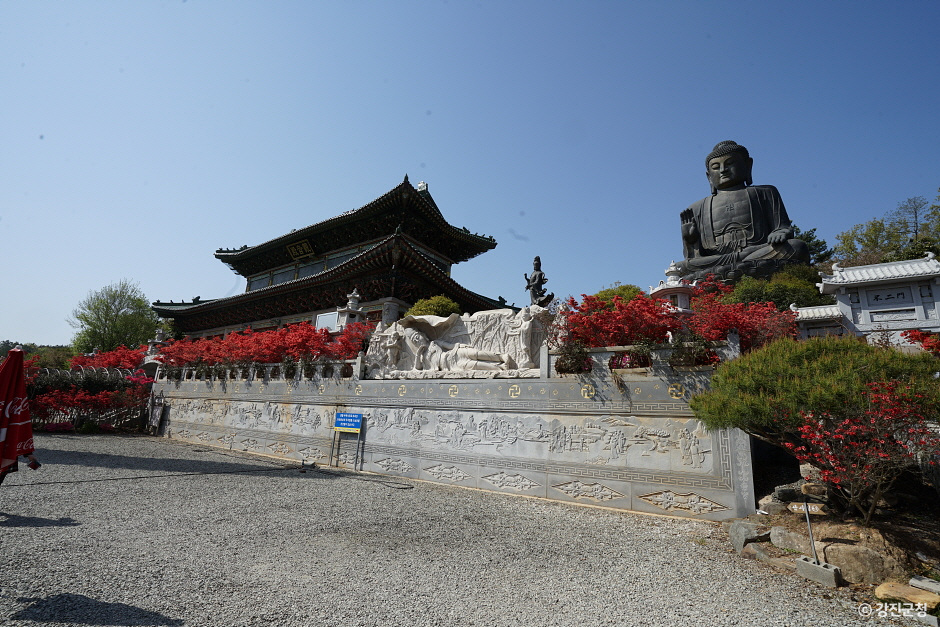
{"x": 883, "y": 298}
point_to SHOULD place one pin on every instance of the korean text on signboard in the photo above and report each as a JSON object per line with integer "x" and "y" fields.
{"x": 812, "y": 508}
{"x": 300, "y": 249}
{"x": 348, "y": 423}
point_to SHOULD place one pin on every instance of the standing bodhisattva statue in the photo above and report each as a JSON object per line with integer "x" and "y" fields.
{"x": 741, "y": 229}
{"x": 535, "y": 284}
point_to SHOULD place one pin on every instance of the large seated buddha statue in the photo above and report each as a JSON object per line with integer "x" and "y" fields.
{"x": 741, "y": 229}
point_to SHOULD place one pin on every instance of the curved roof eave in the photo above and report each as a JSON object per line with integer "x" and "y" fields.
{"x": 880, "y": 273}
{"x": 482, "y": 243}
{"x": 373, "y": 256}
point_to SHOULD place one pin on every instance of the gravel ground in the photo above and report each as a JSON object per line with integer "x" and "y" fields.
{"x": 111, "y": 531}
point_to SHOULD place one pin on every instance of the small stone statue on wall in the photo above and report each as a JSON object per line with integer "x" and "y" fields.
{"x": 392, "y": 346}
{"x": 521, "y": 327}
{"x": 535, "y": 284}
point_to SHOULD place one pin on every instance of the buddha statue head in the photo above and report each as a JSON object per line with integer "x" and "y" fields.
{"x": 728, "y": 166}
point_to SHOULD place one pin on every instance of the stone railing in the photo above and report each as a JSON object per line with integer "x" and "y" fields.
{"x": 662, "y": 361}
{"x": 312, "y": 371}
{"x": 121, "y": 417}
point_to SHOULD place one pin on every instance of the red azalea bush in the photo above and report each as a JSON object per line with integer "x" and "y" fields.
{"x": 930, "y": 342}
{"x": 640, "y": 320}
{"x": 300, "y": 341}
{"x": 131, "y": 392}
{"x": 86, "y": 396}
{"x": 861, "y": 456}
{"x": 756, "y": 323}
{"x": 121, "y": 357}
{"x": 645, "y": 321}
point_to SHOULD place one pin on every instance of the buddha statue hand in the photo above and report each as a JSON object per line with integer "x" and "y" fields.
{"x": 689, "y": 232}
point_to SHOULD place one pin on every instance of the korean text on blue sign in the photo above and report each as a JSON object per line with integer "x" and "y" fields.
{"x": 347, "y": 423}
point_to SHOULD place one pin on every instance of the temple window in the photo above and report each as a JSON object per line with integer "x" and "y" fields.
{"x": 257, "y": 282}
{"x": 335, "y": 260}
{"x": 310, "y": 268}
{"x": 283, "y": 275}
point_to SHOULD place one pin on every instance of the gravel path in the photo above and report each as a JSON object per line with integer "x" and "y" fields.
{"x": 252, "y": 541}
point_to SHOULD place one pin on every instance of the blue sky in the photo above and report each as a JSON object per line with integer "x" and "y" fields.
{"x": 139, "y": 137}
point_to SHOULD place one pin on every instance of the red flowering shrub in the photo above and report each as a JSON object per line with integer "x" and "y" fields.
{"x": 641, "y": 320}
{"x": 300, "y": 341}
{"x": 187, "y": 351}
{"x": 645, "y": 322}
{"x": 76, "y": 400}
{"x": 930, "y": 342}
{"x": 121, "y": 357}
{"x": 352, "y": 340}
{"x": 756, "y": 323}
{"x": 57, "y": 395}
{"x": 861, "y": 455}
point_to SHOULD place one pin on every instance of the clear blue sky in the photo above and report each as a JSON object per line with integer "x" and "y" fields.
{"x": 136, "y": 138}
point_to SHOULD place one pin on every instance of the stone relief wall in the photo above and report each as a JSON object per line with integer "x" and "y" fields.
{"x": 632, "y": 445}
{"x": 671, "y": 445}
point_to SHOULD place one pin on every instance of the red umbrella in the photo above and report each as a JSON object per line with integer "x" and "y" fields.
{"x": 16, "y": 428}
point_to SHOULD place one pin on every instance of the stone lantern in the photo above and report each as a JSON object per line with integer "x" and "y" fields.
{"x": 351, "y": 312}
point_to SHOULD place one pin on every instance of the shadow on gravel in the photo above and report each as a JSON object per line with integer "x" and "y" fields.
{"x": 158, "y": 464}
{"x": 77, "y": 608}
{"x": 12, "y": 520}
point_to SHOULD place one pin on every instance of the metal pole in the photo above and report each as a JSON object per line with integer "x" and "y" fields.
{"x": 809, "y": 526}
{"x": 358, "y": 441}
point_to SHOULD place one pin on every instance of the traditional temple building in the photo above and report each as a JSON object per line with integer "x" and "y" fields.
{"x": 373, "y": 262}
{"x": 878, "y": 301}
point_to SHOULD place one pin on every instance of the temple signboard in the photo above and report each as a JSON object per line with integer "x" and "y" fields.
{"x": 300, "y": 249}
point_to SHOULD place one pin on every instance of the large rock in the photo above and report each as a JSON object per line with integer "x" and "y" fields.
{"x": 743, "y": 533}
{"x": 893, "y": 591}
{"x": 772, "y": 507}
{"x": 786, "y": 493}
{"x": 860, "y": 564}
{"x": 792, "y": 541}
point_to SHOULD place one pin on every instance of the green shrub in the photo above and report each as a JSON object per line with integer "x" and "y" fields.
{"x": 434, "y": 306}
{"x": 793, "y": 284}
{"x": 764, "y": 391}
{"x": 625, "y": 291}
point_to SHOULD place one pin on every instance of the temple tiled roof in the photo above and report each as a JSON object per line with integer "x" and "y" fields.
{"x": 167, "y": 310}
{"x": 925, "y": 267}
{"x": 821, "y": 312}
{"x": 406, "y": 208}
{"x": 368, "y": 271}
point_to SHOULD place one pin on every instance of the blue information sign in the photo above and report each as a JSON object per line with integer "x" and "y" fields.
{"x": 348, "y": 423}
